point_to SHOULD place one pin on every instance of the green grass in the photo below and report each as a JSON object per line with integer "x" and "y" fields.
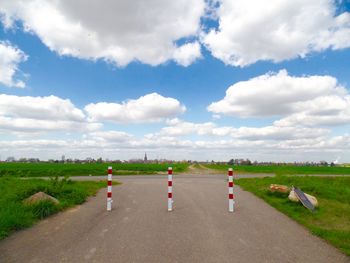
{"x": 284, "y": 169}
{"x": 14, "y": 215}
{"x": 53, "y": 169}
{"x": 331, "y": 221}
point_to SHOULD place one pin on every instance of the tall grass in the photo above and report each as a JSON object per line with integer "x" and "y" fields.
{"x": 57, "y": 169}
{"x": 14, "y": 215}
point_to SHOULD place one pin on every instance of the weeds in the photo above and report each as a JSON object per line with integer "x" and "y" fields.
{"x": 14, "y": 215}
{"x": 43, "y": 209}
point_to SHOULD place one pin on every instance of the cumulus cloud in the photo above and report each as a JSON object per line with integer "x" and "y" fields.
{"x": 34, "y": 125}
{"x": 111, "y": 136}
{"x": 149, "y": 31}
{"x": 329, "y": 110}
{"x": 278, "y": 133}
{"x": 149, "y": 108}
{"x": 251, "y": 30}
{"x": 10, "y": 58}
{"x": 307, "y": 100}
{"x": 36, "y": 144}
{"x": 46, "y": 108}
{"x": 187, "y": 53}
{"x": 116, "y": 31}
{"x": 33, "y": 114}
{"x": 181, "y": 128}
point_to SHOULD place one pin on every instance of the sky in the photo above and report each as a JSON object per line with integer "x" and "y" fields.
{"x": 183, "y": 80}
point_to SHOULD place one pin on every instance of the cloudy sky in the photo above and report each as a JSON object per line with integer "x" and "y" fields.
{"x": 185, "y": 79}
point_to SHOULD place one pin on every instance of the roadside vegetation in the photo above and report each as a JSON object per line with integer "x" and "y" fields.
{"x": 283, "y": 169}
{"x": 14, "y": 215}
{"x": 331, "y": 221}
{"x": 60, "y": 169}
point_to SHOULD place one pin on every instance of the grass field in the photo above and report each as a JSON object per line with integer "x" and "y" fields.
{"x": 280, "y": 170}
{"x": 52, "y": 169}
{"x": 14, "y": 215}
{"x": 332, "y": 219}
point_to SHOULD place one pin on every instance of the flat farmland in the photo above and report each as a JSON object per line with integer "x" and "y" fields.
{"x": 59, "y": 169}
{"x": 284, "y": 169}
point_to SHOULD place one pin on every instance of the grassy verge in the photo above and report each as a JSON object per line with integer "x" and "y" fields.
{"x": 332, "y": 219}
{"x": 283, "y": 169}
{"x": 14, "y": 215}
{"x": 57, "y": 169}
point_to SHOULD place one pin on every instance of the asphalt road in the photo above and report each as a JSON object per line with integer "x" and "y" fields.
{"x": 140, "y": 229}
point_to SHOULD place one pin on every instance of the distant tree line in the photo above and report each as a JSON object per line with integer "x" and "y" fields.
{"x": 156, "y": 161}
{"x": 248, "y": 162}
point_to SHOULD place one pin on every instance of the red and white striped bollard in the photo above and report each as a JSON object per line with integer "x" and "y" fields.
{"x": 231, "y": 202}
{"x": 170, "y": 189}
{"x": 109, "y": 189}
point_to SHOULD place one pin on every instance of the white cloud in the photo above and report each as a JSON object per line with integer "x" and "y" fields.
{"x": 36, "y": 144}
{"x": 251, "y": 30}
{"x": 116, "y": 31}
{"x": 324, "y": 110}
{"x": 181, "y": 128}
{"x": 149, "y": 108}
{"x": 34, "y": 114}
{"x": 111, "y": 136}
{"x": 10, "y": 57}
{"x": 45, "y": 108}
{"x": 187, "y": 53}
{"x": 308, "y": 100}
{"x": 35, "y": 125}
{"x": 149, "y": 31}
{"x": 278, "y": 133}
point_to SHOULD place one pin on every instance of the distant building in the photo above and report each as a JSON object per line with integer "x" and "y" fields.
{"x": 145, "y": 158}
{"x": 89, "y": 160}
{"x": 10, "y": 159}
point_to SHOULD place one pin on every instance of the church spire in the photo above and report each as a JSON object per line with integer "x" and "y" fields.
{"x": 145, "y": 159}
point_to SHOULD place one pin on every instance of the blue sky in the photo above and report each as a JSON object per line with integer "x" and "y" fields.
{"x": 288, "y": 73}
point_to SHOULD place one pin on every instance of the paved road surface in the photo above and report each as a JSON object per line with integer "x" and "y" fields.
{"x": 139, "y": 228}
